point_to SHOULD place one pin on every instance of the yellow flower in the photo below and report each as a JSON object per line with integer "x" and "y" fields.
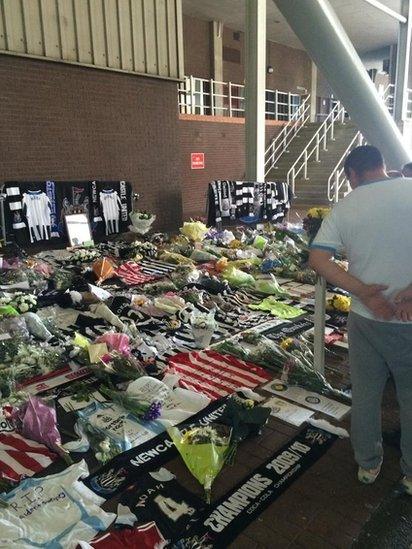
{"x": 318, "y": 213}
{"x": 340, "y": 303}
{"x": 235, "y": 244}
{"x": 286, "y": 343}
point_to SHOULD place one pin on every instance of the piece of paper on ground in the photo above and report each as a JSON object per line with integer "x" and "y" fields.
{"x": 311, "y": 400}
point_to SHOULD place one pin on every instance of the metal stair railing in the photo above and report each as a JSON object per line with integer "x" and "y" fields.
{"x": 338, "y": 178}
{"x": 281, "y": 142}
{"x": 320, "y": 139}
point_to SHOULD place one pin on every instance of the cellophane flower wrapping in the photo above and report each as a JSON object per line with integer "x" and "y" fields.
{"x": 204, "y": 451}
{"x": 103, "y": 269}
{"x": 36, "y": 419}
{"x": 141, "y": 222}
{"x": 194, "y": 230}
{"x": 117, "y": 342}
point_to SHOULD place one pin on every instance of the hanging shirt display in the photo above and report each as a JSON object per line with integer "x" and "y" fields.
{"x": 55, "y": 511}
{"x": 36, "y": 206}
{"x": 111, "y": 205}
{"x": 35, "y": 211}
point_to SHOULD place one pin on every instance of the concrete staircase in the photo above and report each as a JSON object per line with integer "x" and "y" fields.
{"x": 313, "y": 191}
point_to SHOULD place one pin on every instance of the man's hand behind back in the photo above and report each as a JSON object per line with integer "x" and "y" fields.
{"x": 371, "y": 295}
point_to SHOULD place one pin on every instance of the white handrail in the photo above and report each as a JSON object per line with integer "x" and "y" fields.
{"x": 313, "y": 147}
{"x": 280, "y": 143}
{"x": 338, "y": 178}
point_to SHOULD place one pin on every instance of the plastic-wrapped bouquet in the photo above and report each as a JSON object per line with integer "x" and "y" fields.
{"x": 116, "y": 363}
{"x": 20, "y": 301}
{"x": 83, "y": 255}
{"x": 141, "y": 221}
{"x": 144, "y": 249}
{"x": 194, "y": 230}
{"x": 204, "y": 451}
{"x": 313, "y": 221}
{"x": 134, "y": 404}
{"x": 36, "y": 419}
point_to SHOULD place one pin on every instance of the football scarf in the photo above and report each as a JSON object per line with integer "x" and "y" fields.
{"x": 126, "y": 468}
{"x": 231, "y": 514}
{"x": 51, "y": 193}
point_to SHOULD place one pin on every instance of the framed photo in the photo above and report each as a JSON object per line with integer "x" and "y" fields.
{"x": 78, "y": 229}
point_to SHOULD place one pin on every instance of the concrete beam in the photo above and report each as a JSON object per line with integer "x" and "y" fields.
{"x": 255, "y": 72}
{"x": 320, "y": 31}
{"x": 402, "y": 64}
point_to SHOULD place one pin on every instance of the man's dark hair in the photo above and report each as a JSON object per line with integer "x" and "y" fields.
{"x": 407, "y": 168}
{"x": 363, "y": 159}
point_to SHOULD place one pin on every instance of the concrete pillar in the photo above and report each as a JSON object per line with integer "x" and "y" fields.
{"x": 216, "y": 31}
{"x": 402, "y": 64}
{"x": 255, "y": 75}
{"x": 313, "y": 92}
{"x": 320, "y": 31}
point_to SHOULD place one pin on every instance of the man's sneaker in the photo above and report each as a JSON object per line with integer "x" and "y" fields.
{"x": 368, "y": 476}
{"x": 407, "y": 484}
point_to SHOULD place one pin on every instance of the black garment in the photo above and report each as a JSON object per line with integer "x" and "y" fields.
{"x": 167, "y": 502}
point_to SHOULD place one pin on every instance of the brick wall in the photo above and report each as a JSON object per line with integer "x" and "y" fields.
{"x": 224, "y": 146}
{"x": 64, "y": 122}
{"x": 292, "y": 67}
{"x": 197, "y": 47}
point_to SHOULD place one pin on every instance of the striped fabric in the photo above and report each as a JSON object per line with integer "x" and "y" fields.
{"x": 20, "y": 457}
{"x": 131, "y": 273}
{"x": 156, "y": 267}
{"x": 214, "y": 374}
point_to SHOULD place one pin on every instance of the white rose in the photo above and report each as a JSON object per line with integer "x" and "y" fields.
{"x": 24, "y": 307}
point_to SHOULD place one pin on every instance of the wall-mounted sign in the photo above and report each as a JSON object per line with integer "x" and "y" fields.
{"x": 197, "y": 161}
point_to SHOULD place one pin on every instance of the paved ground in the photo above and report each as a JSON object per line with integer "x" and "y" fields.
{"x": 326, "y": 507}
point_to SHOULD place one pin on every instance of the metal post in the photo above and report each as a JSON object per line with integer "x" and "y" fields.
{"x": 276, "y": 105}
{"x": 317, "y": 147}
{"x": 313, "y": 92}
{"x": 255, "y": 70}
{"x": 230, "y": 98}
{"x": 332, "y": 51}
{"x": 324, "y": 138}
{"x": 319, "y": 329}
{"x": 305, "y": 166}
{"x": 402, "y": 64}
{"x": 212, "y": 99}
{"x": 192, "y": 95}
{"x": 337, "y": 186}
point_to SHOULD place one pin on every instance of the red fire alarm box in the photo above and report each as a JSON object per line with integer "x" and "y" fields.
{"x": 197, "y": 161}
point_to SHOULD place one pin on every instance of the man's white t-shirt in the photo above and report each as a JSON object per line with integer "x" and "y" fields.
{"x": 373, "y": 225}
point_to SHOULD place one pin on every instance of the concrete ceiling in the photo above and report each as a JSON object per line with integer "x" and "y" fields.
{"x": 368, "y": 27}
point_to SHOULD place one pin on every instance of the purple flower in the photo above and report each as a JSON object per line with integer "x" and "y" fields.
{"x": 154, "y": 411}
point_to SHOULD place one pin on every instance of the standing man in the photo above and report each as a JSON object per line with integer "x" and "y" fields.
{"x": 372, "y": 225}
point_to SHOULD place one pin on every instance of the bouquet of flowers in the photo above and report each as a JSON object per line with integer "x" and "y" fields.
{"x": 313, "y": 221}
{"x": 127, "y": 367}
{"x": 20, "y": 301}
{"x": 339, "y": 303}
{"x": 194, "y": 230}
{"x": 83, "y": 255}
{"x": 204, "y": 451}
{"x": 293, "y": 358}
{"x": 141, "y": 221}
{"x": 133, "y": 404}
{"x": 36, "y": 419}
{"x": 144, "y": 249}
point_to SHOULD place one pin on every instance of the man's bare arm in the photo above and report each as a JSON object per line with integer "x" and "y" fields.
{"x": 370, "y": 294}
